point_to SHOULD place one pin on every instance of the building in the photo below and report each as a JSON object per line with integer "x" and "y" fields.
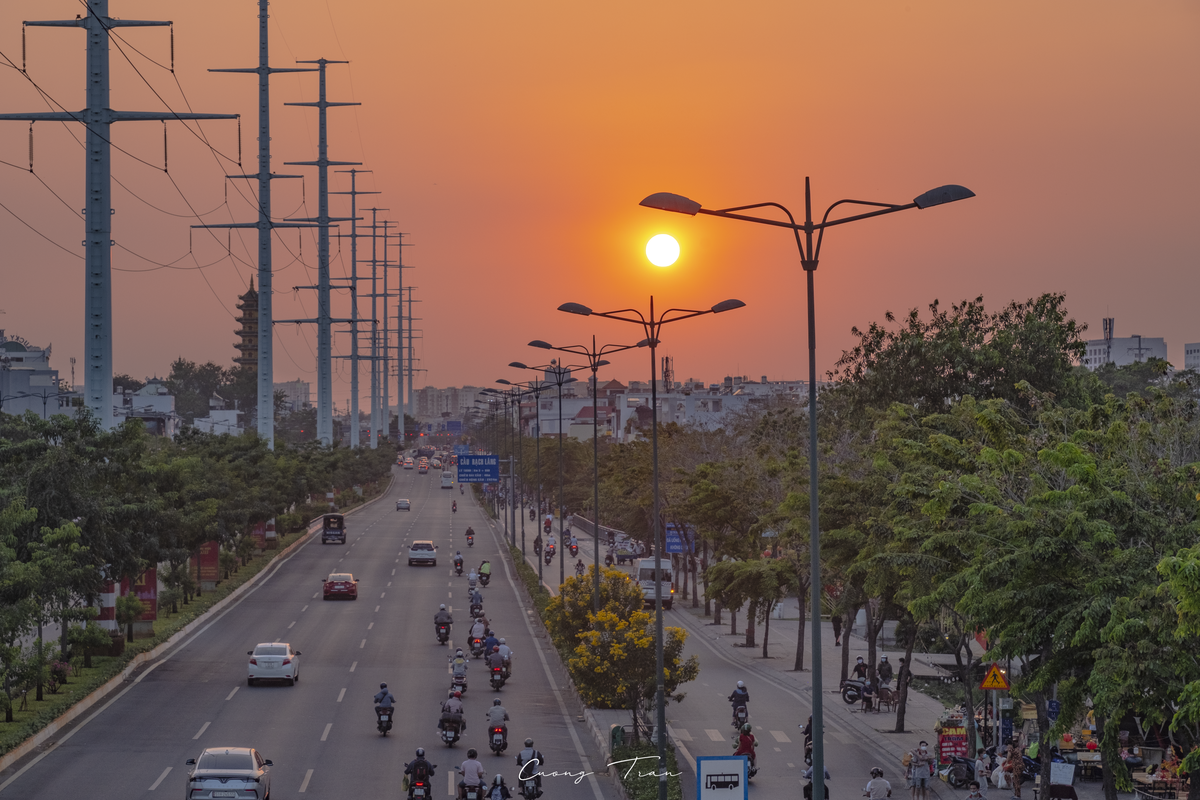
{"x": 27, "y": 383}
{"x": 1122, "y": 352}
{"x": 247, "y": 345}
{"x": 297, "y": 393}
{"x": 1191, "y": 356}
{"x": 153, "y": 404}
{"x": 220, "y": 419}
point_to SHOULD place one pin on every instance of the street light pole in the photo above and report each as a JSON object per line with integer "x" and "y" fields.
{"x": 652, "y": 327}
{"x": 595, "y": 361}
{"x": 809, "y": 257}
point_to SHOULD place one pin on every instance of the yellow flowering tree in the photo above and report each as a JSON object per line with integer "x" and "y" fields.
{"x": 567, "y": 615}
{"x": 614, "y": 664}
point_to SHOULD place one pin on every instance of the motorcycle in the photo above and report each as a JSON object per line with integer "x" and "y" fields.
{"x": 529, "y": 788}
{"x": 740, "y": 716}
{"x": 532, "y": 515}
{"x": 507, "y": 668}
{"x": 752, "y": 756}
{"x": 497, "y": 739}
{"x": 476, "y": 647}
{"x": 458, "y": 566}
{"x": 547, "y": 527}
{"x": 459, "y": 684}
{"x": 580, "y": 569}
{"x": 418, "y": 789}
{"x": 537, "y": 547}
{"x": 461, "y": 490}
{"x": 476, "y": 610}
{"x": 852, "y": 690}
{"x": 443, "y": 633}
{"x": 497, "y": 678}
{"x": 549, "y": 556}
{"x": 484, "y": 577}
{"x": 471, "y": 793}
{"x": 574, "y": 550}
{"x": 450, "y": 734}
{"x": 470, "y": 540}
{"x": 454, "y": 507}
{"x": 383, "y": 720}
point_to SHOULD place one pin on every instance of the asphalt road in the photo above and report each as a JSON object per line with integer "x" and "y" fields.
{"x": 320, "y": 733}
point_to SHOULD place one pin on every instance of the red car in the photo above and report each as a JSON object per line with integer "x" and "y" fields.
{"x": 341, "y": 584}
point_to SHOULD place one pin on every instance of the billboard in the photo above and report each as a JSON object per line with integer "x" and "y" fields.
{"x": 146, "y": 588}
{"x": 479, "y": 469}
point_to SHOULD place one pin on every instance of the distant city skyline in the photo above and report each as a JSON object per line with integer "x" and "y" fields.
{"x": 517, "y": 185}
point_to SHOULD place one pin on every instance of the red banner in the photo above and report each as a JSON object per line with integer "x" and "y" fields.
{"x": 146, "y": 588}
{"x": 259, "y": 532}
{"x": 952, "y": 741}
{"x": 208, "y": 565}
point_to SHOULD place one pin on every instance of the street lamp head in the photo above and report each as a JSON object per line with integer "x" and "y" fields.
{"x": 571, "y": 379}
{"x": 505, "y": 382}
{"x": 576, "y": 308}
{"x": 644, "y": 343}
{"x": 541, "y": 344}
{"x": 727, "y": 305}
{"x": 517, "y": 364}
{"x": 602, "y": 363}
{"x": 942, "y": 194}
{"x": 665, "y": 201}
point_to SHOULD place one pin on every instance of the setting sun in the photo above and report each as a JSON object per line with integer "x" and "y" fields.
{"x": 662, "y": 250}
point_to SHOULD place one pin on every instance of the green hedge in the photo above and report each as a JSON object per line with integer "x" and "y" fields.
{"x": 541, "y": 597}
{"x": 645, "y": 787}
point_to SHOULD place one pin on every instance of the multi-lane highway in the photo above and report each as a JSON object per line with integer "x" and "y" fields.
{"x": 320, "y": 733}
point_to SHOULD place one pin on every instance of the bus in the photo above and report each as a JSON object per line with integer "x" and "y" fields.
{"x": 645, "y": 579}
{"x": 447, "y": 480}
{"x": 333, "y": 528}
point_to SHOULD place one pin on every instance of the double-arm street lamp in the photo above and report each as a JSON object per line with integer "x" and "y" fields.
{"x": 558, "y": 376}
{"x": 530, "y": 388}
{"x": 652, "y": 326}
{"x": 596, "y": 360}
{"x": 809, "y": 255}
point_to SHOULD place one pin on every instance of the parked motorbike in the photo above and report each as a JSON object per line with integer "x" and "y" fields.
{"x": 852, "y": 690}
{"x": 497, "y": 739}
{"x": 443, "y": 633}
{"x": 497, "y": 678}
{"x": 383, "y": 720}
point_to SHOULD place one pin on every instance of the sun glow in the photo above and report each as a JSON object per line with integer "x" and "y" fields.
{"x": 662, "y": 250}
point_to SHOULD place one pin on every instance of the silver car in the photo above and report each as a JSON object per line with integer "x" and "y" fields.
{"x": 237, "y": 773}
{"x": 273, "y": 661}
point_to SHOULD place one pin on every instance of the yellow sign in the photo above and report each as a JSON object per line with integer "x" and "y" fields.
{"x": 995, "y": 679}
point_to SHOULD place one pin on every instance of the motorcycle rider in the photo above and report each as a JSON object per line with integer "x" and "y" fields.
{"x": 452, "y": 712}
{"x": 499, "y": 790}
{"x": 384, "y": 698}
{"x": 506, "y": 654}
{"x": 739, "y": 697}
{"x": 470, "y": 531}
{"x": 746, "y": 743}
{"x": 453, "y": 506}
{"x": 458, "y": 560}
{"x": 877, "y": 788}
{"x": 472, "y": 580}
{"x": 580, "y": 568}
{"x": 860, "y": 669}
{"x": 490, "y": 642}
{"x": 443, "y": 617}
{"x": 537, "y": 545}
{"x": 476, "y": 598}
{"x": 459, "y": 663}
{"x": 478, "y": 629}
{"x": 574, "y": 541}
{"x": 495, "y": 660}
{"x": 485, "y": 569}
{"x": 418, "y": 769}
{"x": 531, "y": 756}
{"x": 497, "y": 716}
{"x": 550, "y": 541}
{"x": 808, "y": 789}
{"x": 472, "y": 772}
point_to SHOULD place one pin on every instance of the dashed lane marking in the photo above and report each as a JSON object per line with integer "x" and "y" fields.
{"x": 372, "y": 625}
{"x": 304, "y": 785}
{"x": 382, "y": 595}
{"x": 362, "y": 644}
{"x": 304, "y": 609}
{"x": 715, "y": 735}
{"x": 376, "y": 609}
{"x": 341, "y": 694}
{"x": 682, "y": 735}
{"x": 154, "y": 785}
{"x": 325, "y": 735}
{"x": 780, "y": 736}
{"x": 290, "y": 626}
{"x": 314, "y": 597}
{"x": 231, "y": 694}
{"x": 200, "y": 732}
{"x": 352, "y": 666}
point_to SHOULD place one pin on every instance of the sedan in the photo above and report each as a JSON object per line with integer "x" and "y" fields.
{"x": 273, "y": 661}
{"x": 422, "y": 552}
{"x": 341, "y": 584}
{"x": 233, "y": 772}
{"x": 403, "y": 505}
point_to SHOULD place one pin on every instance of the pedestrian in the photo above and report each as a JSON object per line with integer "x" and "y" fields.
{"x": 981, "y": 769}
{"x": 920, "y": 770}
{"x": 836, "y": 619}
{"x": 1013, "y": 767}
{"x": 974, "y": 793}
{"x": 884, "y": 671}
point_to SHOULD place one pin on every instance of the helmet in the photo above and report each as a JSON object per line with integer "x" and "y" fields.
{"x": 502, "y": 640}
{"x": 860, "y": 659}
{"x": 529, "y": 742}
{"x": 741, "y": 685}
{"x": 495, "y": 648}
{"x": 498, "y": 780}
{"x": 472, "y": 753}
{"x": 876, "y": 772}
{"x": 443, "y": 608}
{"x": 883, "y": 658}
{"x": 420, "y": 752}
{"x": 458, "y": 652}
{"x": 496, "y": 702}
{"x": 458, "y": 694}
{"x": 383, "y": 686}
{"x": 746, "y": 728}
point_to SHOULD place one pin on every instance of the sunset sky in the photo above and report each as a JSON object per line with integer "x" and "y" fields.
{"x": 513, "y": 141}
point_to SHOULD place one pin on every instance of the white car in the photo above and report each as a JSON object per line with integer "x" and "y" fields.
{"x": 422, "y": 551}
{"x": 403, "y": 505}
{"x": 273, "y": 661}
{"x": 233, "y": 772}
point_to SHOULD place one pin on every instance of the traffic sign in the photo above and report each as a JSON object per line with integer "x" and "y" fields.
{"x": 679, "y": 541}
{"x": 479, "y": 469}
{"x": 995, "y": 679}
{"x": 722, "y": 777}
{"x": 1053, "y": 709}
{"x": 462, "y": 449}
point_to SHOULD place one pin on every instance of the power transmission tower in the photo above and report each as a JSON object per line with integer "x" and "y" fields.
{"x": 354, "y": 357}
{"x": 400, "y": 267}
{"x": 98, "y": 117}
{"x": 266, "y": 330}
{"x": 324, "y": 318}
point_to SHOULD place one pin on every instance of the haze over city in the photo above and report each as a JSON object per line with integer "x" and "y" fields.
{"x": 512, "y": 143}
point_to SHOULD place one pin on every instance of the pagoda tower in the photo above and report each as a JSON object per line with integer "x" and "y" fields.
{"x": 248, "y": 333}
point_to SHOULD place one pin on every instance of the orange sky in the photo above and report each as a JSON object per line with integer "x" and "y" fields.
{"x": 513, "y": 141}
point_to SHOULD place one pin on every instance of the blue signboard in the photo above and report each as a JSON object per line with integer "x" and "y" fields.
{"x": 1053, "y": 709}
{"x": 479, "y": 469}
{"x": 454, "y": 426}
{"x": 462, "y": 449}
{"x": 677, "y": 543}
{"x": 722, "y": 777}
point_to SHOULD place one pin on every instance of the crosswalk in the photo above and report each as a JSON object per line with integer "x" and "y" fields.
{"x": 683, "y": 735}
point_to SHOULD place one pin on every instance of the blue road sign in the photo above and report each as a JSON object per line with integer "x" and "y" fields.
{"x": 454, "y": 426}
{"x": 479, "y": 469}
{"x": 677, "y": 543}
{"x": 1053, "y": 709}
{"x": 722, "y": 777}
{"x": 462, "y": 449}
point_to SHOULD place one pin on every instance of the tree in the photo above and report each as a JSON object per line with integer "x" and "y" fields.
{"x": 17, "y": 606}
{"x": 568, "y": 614}
{"x": 1181, "y": 574}
{"x": 614, "y": 665}
{"x": 193, "y": 386}
{"x": 129, "y": 610}
{"x": 124, "y": 382}
{"x": 761, "y": 583}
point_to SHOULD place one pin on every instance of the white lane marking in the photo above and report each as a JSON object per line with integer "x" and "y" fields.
{"x": 372, "y": 625}
{"x": 231, "y": 694}
{"x": 393, "y": 570}
{"x": 376, "y": 609}
{"x": 791, "y": 765}
{"x": 715, "y": 735}
{"x": 389, "y": 583}
{"x": 304, "y": 785}
{"x": 200, "y": 732}
{"x": 780, "y": 736}
{"x": 325, "y": 735}
{"x": 341, "y": 694}
{"x": 362, "y": 644}
{"x": 154, "y": 785}
{"x": 290, "y": 626}
{"x": 450, "y": 783}
{"x": 382, "y": 595}
{"x": 304, "y": 609}
{"x": 340, "y": 560}
{"x": 314, "y": 597}
{"x": 352, "y": 666}
{"x": 682, "y": 735}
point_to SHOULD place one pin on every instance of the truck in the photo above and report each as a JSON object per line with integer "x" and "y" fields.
{"x": 645, "y": 579}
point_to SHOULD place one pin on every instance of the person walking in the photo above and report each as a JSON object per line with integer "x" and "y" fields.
{"x": 920, "y": 770}
{"x": 836, "y": 619}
